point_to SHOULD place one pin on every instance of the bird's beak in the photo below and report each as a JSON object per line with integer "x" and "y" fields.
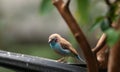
{"x": 49, "y": 40}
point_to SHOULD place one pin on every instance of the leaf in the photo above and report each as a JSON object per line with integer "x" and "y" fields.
{"x": 83, "y": 11}
{"x": 112, "y": 36}
{"x": 105, "y": 25}
{"x": 46, "y": 6}
{"x": 96, "y": 23}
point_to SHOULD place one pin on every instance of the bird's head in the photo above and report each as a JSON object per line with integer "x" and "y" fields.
{"x": 54, "y": 38}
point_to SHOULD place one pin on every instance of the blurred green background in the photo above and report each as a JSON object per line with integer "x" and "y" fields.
{"x": 26, "y": 25}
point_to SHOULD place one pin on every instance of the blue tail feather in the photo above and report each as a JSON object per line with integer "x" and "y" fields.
{"x": 79, "y": 58}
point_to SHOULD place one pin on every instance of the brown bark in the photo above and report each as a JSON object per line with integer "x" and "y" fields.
{"x": 114, "y": 58}
{"x": 100, "y": 44}
{"x": 102, "y": 52}
{"x": 102, "y": 57}
{"x": 74, "y": 27}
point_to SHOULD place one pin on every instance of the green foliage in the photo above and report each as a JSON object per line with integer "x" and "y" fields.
{"x": 112, "y": 36}
{"x": 83, "y": 11}
{"x": 46, "y": 6}
{"x": 101, "y": 22}
{"x": 97, "y": 23}
{"x": 104, "y": 25}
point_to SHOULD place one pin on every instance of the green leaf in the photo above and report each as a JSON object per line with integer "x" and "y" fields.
{"x": 96, "y": 23}
{"x": 112, "y": 36}
{"x": 83, "y": 11}
{"x": 46, "y": 6}
{"x": 105, "y": 25}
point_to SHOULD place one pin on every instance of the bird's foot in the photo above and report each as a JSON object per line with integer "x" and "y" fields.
{"x": 61, "y": 59}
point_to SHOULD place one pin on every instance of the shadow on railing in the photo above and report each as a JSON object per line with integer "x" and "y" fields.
{"x": 27, "y": 63}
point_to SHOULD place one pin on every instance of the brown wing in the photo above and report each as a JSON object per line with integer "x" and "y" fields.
{"x": 66, "y": 45}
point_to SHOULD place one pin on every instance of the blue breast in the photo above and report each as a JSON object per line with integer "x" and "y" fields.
{"x": 57, "y": 47}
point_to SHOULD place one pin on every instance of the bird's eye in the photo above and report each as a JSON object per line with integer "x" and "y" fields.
{"x": 55, "y": 39}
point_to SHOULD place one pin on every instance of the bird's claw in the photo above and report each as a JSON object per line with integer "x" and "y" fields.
{"x": 61, "y": 59}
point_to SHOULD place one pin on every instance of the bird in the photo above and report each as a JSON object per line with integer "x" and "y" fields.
{"x": 63, "y": 47}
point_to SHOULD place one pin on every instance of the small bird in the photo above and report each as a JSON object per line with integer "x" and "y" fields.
{"x": 62, "y": 47}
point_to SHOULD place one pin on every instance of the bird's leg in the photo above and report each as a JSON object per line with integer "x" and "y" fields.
{"x": 61, "y": 59}
{"x": 65, "y": 60}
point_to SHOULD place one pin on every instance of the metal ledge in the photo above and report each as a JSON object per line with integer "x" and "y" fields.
{"x": 27, "y": 63}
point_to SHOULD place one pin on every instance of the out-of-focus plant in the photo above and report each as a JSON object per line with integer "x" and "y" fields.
{"x": 105, "y": 23}
{"x": 83, "y": 11}
{"x": 46, "y": 6}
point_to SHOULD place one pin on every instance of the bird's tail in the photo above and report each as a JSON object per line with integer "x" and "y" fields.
{"x": 79, "y": 58}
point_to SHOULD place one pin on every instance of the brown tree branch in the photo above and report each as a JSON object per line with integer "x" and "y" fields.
{"x": 102, "y": 57}
{"x": 74, "y": 27}
{"x": 100, "y": 44}
{"x": 114, "y": 58}
{"x": 102, "y": 52}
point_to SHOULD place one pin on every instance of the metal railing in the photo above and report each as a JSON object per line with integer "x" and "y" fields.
{"x": 27, "y": 63}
